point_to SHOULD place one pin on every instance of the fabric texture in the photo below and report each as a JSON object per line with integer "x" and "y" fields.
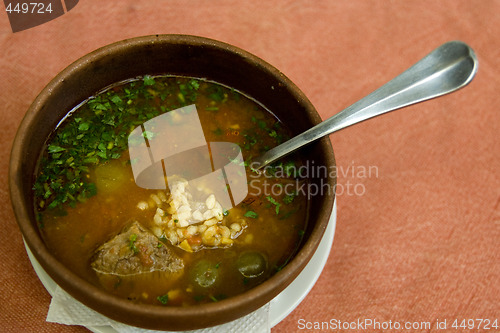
{"x": 418, "y": 200}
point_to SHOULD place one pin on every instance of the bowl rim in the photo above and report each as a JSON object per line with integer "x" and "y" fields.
{"x": 93, "y": 296}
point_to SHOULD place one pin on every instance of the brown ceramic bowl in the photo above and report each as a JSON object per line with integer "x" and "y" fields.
{"x": 176, "y": 55}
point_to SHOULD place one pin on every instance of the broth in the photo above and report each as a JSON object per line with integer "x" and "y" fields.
{"x": 87, "y": 197}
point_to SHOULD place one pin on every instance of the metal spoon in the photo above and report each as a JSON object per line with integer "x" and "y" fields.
{"x": 444, "y": 70}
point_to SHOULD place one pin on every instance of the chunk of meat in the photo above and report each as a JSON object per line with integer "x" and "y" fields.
{"x": 135, "y": 251}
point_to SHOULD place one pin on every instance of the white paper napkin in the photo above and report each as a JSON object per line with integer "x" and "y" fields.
{"x": 64, "y": 309}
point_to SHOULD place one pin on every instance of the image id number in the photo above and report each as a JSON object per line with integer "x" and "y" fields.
{"x": 29, "y": 7}
{"x": 485, "y": 324}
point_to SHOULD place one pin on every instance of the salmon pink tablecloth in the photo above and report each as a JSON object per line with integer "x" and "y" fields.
{"x": 418, "y": 227}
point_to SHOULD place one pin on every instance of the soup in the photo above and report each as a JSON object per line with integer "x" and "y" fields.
{"x": 153, "y": 229}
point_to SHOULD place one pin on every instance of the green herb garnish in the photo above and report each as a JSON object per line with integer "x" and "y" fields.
{"x": 163, "y": 299}
{"x": 249, "y": 142}
{"x": 289, "y": 198}
{"x": 55, "y": 149}
{"x": 148, "y": 80}
{"x": 290, "y": 169}
{"x": 251, "y": 214}
{"x": 217, "y": 94}
{"x": 262, "y": 124}
{"x": 99, "y": 132}
{"x": 132, "y": 239}
{"x": 275, "y": 203}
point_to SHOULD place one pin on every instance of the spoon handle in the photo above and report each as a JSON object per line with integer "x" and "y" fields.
{"x": 444, "y": 70}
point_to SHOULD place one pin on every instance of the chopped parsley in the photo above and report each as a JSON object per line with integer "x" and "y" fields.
{"x": 290, "y": 169}
{"x": 131, "y": 244}
{"x": 251, "y": 214}
{"x": 163, "y": 299}
{"x": 98, "y": 131}
{"x": 289, "y": 198}
{"x": 250, "y": 141}
{"x": 275, "y": 203}
{"x": 148, "y": 80}
{"x": 217, "y": 94}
